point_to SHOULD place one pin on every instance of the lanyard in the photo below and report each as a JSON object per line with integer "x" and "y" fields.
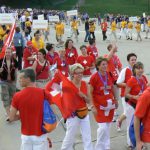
{"x": 104, "y": 81}
{"x": 141, "y": 84}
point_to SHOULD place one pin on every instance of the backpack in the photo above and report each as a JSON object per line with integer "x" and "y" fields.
{"x": 49, "y": 118}
{"x": 132, "y": 133}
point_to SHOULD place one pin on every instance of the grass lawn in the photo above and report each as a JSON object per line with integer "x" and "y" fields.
{"x": 130, "y": 7}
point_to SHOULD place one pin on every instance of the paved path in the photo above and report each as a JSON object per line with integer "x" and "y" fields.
{"x": 10, "y": 133}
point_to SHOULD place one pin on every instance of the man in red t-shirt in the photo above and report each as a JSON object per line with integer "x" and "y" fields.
{"x": 29, "y": 103}
{"x": 144, "y": 116}
{"x": 104, "y": 26}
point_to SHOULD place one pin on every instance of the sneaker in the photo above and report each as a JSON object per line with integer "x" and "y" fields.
{"x": 118, "y": 123}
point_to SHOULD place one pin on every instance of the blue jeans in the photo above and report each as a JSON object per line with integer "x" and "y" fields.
{"x": 87, "y": 36}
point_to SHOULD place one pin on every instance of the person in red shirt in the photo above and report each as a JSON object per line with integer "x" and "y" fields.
{"x": 134, "y": 88}
{"x": 51, "y": 54}
{"x": 124, "y": 76}
{"x": 41, "y": 67}
{"x": 61, "y": 63}
{"x": 71, "y": 52}
{"x": 101, "y": 89}
{"x": 29, "y": 54}
{"x": 114, "y": 67}
{"x": 144, "y": 116}
{"x": 92, "y": 50}
{"x": 104, "y": 26}
{"x": 86, "y": 61}
{"x": 29, "y": 103}
{"x": 75, "y": 121}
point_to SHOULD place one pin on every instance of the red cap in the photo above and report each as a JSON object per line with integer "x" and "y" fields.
{"x": 29, "y": 43}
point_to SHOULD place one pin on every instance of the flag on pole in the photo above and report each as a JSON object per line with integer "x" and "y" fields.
{"x": 67, "y": 98}
{"x": 8, "y": 40}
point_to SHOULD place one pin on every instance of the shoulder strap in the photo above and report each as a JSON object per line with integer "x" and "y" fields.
{"x": 41, "y": 69}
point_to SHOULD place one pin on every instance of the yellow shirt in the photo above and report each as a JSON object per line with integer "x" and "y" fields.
{"x": 113, "y": 26}
{"x": 92, "y": 28}
{"x": 28, "y": 24}
{"x": 138, "y": 27}
{"x": 148, "y": 23}
{"x": 123, "y": 24}
{"x": 59, "y": 29}
{"x": 74, "y": 25}
{"x": 38, "y": 44}
{"x": 2, "y": 32}
{"x": 130, "y": 25}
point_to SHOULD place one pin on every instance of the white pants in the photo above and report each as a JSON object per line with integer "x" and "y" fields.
{"x": 129, "y": 115}
{"x": 103, "y": 136}
{"x": 114, "y": 34}
{"x": 124, "y": 103}
{"x": 72, "y": 125}
{"x": 34, "y": 142}
{"x": 123, "y": 32}
{"x": 129, "y": 33}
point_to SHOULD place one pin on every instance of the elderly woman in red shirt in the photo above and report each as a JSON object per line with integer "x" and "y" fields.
{"x": 41, "y": 67}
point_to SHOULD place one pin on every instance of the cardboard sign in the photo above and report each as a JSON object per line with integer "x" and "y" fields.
{"x": 40, "y": 24}
{"x": 54, "y": 18}
{"x": 72, "y": 13}
{"x": 40, "y": 17}
{"x": 133, "y": 19}
{"x": 6, "y": 18}
{"x": 144, "y": 15}
{"x": 29, "y": 9}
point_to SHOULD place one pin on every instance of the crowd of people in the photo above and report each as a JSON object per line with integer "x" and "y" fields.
{"x": 98, "y": 80}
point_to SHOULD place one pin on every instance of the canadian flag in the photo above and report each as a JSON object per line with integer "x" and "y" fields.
{"x": 64, "y": 93}
{"x": 8, "y": 40}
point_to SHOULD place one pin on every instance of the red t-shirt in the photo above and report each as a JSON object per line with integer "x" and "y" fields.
{"x": 100, "y": 97}
{"x": 114, "y": 65}
{"x": 137, "y": 87}
{"x": 86, "y": 61}
{"x": 28, "y": 53}
{"x": 104, "y": 26}
{"x": 144, "y": 114}
{"x": 62, "y": 66}
{"x": 29, "y": 103}
{"x": 71, "y": 56}
{"x": 92, "y": 51}
{"x": 44, "y": 74}
{"x": 51, "y": 58}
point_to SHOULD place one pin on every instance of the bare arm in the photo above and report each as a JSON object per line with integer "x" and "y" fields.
{"x": 34, "y": 65}
{"x": 128, "y": 95}
{"x": 92, "y": 103}
{"x": 137, "y": 133}
{"x": 121, "y": 84}
{"x": 112, "y": 52}
{"x": 13, "y": 116}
